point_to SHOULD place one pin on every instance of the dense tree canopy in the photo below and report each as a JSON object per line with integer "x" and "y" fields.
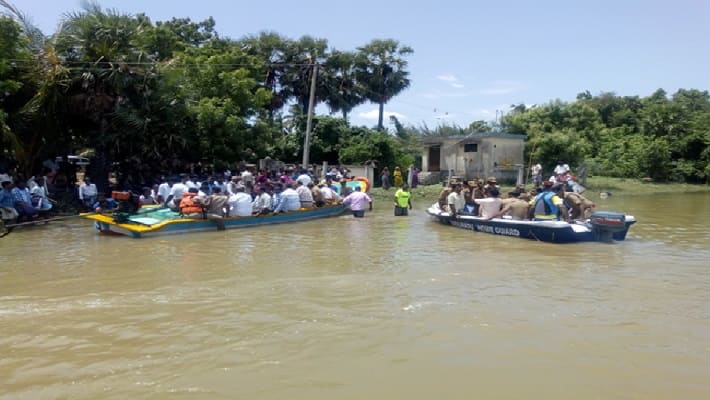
{"x": 155, "y": 96}
{"x": 661, "y": 137}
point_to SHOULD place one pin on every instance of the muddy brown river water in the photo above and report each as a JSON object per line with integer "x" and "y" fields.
{"x": 384, "y": 307}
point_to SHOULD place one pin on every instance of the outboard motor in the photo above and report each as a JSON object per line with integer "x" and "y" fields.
{"x": 606, "y": 223}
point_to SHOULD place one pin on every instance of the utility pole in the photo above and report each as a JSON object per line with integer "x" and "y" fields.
{"x": 309, "y": 117}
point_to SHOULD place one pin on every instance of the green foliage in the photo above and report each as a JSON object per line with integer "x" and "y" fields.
{"x": 167, "y": 93}
{"x": 658, "y": 137}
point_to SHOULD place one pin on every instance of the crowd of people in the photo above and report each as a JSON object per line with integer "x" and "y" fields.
{"x": 22, "y": 200}
{"x": 250, "y": 192}
{"x": 548, "y": 201}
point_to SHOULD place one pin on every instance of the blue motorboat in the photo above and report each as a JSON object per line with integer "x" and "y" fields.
{"x": 602, "y": 226}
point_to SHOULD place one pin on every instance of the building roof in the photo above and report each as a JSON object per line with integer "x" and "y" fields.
{"x": 475, "y": 135}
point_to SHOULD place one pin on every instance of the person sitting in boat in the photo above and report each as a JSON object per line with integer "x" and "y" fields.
{"x": 262, "y": 202}
{"x": 189, "y": 207}
{"x": 304, "y": 178}
{"x": 305, "y": 195}
{"x": 344, "y": 188}
{"x": 581, "y": 208}
{"x": 467, "y": 193}
{"x": 443, "y": 198}
{"x": 514, "y": 207}
{"x": 316, "y": 194}
{"x": 176, "y": 192}
{"x": 104, "y": 204}
{"x": 7, "y": 201}
{"x": 240, "y": 203}
{"x": 147, "y": 197}
{"x": 491, "y": 183}
{"x": 329, "y": 195}
{"x": 290, "y": 200}
{"x": 489, "y": 206}
{"x": 549, "y": 205}
{"x": 455, "y": 201}
{"x": 40, "y": 197}
{"x": 23, "y": 201}
{"x": 214, "y": 205}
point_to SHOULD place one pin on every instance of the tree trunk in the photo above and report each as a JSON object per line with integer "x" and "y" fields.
{"x": 380, "y": 125}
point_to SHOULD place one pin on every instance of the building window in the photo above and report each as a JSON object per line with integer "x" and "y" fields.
{"x": 470, "y": 148}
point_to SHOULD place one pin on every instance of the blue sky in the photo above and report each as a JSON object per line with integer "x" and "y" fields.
{"x": 473, "y": 59}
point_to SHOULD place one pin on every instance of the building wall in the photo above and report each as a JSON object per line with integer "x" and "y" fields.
{"x": 495, "y": 156}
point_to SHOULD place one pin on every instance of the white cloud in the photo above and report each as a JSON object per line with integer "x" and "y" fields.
{"x": 375, "y": 113}
{"x": 447, "y": 78}
{"x": 457, "y": 85}
{"x": 503, "y": 87}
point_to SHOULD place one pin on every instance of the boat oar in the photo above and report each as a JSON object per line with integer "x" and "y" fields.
{"x": 9, "y": 228}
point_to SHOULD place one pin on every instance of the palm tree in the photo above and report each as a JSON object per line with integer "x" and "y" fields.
{"x": 344, "y": 91}
{"x": 382, "y": 71}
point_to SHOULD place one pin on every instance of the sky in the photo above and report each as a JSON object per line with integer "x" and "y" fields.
{"x": 472, "y": 59}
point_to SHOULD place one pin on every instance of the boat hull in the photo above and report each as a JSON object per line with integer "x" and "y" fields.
{"x": 105, "y": 223}
{"x": 545, "y": 231}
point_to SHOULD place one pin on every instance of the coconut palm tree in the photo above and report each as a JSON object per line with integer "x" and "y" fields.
{"x": 382, "y": 71}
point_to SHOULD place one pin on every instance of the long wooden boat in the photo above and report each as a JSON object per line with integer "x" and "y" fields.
{"x": 603, "y": 226}
{"x": 163, "y": 221}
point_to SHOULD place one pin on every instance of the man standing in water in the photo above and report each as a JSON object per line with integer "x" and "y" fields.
{"x": 357, "y": 200}
{"x": 402, "y": 201}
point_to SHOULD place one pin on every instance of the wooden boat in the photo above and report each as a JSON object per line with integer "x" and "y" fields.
{"x": 603, "y": 226}
{"x": 162, "y": 221}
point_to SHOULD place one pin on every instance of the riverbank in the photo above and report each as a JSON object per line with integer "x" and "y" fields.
{"x": 595, "y": 186}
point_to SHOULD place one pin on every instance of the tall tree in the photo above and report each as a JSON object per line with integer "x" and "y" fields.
{"x": 344, "y": 92}
{"x": 382, "y": 70}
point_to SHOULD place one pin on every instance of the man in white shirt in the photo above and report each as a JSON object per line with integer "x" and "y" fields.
{"x": 490, "y": 206}
{"x": 456, "y": 201}
{"x": 262, "y": 202}
{"x": 305, "y": 195}
{"x": 240, "y": 203}
{"x": 304, "y": 178}
{"x": 290, "y": 200}
{"x": 561, "y": 168}
{"x": 88, "y": 192}
{"x": 536, "y": 171}
{"x": 248, "y": 180}
{"x": 329, "y": 195}
{"x": 163, "y": 191}
{"x": 176, "y": 192}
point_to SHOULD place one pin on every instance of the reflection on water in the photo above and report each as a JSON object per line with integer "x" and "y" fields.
{"x": 342, "y": 308}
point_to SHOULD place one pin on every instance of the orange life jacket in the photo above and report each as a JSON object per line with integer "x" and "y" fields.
{"x": 188, "y": 205}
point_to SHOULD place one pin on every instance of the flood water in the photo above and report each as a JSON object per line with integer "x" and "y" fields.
{"x": 382, "y": 308}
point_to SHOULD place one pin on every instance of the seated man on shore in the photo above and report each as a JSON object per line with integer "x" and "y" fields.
{"x": 88, "y": 192}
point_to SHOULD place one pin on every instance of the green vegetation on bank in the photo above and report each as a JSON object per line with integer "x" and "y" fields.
{"x": 145, "y": 98}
